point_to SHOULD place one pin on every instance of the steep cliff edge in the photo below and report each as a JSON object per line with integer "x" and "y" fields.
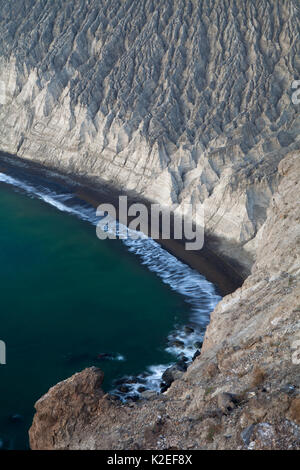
{"x": 180, "y": 101}
{"x": 244, "y": 389}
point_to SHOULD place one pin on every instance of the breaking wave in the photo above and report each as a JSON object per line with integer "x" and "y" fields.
{"x": 195, "y": 288}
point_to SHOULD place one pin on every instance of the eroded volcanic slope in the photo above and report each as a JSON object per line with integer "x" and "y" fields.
{"x": 180, "y": 101}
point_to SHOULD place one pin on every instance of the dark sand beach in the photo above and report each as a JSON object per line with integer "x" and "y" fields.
{"x": 222, "y": 272}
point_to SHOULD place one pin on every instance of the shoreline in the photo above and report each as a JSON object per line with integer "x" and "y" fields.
{"x": 149, "y": 379}
{"x": 206, "y": 262}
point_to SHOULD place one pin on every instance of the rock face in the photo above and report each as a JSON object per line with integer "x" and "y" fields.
{"x": 180, "y": 101}
{"x": 242, "y": 392}
{"x": 68, "y": 406}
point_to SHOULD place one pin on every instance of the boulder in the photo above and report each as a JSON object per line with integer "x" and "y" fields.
{"x": 70, "y": 402}
{"x": 188, "y": 330}
{"x": 227, "y": 401}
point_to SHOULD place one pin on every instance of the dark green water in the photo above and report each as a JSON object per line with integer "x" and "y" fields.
{"x": 65, "y": 297}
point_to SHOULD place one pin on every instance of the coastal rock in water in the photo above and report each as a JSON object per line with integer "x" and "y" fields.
{"x": 16, "y": 418}
{"x": 197, "y": 353}
{"x": 177, "y": 344}
{"x": 172, "y": 373}
{"x": 188, "y": 330}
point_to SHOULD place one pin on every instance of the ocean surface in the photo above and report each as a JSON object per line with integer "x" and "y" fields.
{"x": 70, "y": 301}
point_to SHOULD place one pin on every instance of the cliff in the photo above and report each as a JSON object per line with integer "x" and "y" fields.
{"x": 242, "y": 392}
{"x": 179, "y": 102}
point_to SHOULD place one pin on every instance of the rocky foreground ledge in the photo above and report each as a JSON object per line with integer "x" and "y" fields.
{"x": 242, "y": 392}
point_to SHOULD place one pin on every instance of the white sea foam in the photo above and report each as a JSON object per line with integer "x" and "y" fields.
{"x": 120, "y": 357}
{"x": 54, "y": 199}
{"x": 196, "y": 289}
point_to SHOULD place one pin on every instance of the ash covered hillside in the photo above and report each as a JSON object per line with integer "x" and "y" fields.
{"x": 178, "y": 101}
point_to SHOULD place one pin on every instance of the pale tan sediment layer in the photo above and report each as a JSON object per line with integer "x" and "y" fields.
{"x": 184, "y": 102}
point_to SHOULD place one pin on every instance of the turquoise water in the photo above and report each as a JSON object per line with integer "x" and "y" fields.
{"x": 67, "y": 297}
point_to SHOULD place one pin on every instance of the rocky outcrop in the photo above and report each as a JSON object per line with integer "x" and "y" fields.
{"x": 67, "y": 407}
{"x": 180, "y": 101}
{"x": 242, "y": 392}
